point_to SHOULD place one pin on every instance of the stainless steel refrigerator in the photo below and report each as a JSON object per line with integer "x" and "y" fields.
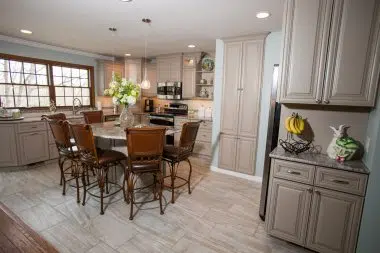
{"x": 272, "y": 139}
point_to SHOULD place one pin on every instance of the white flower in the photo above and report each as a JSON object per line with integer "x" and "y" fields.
{"x": 115, "y": 101}
{"x": 133, "y": 93}
{"x": 121, "y": 90}
{"x": 124, "y": 82}
{"x": 131, "y": 100}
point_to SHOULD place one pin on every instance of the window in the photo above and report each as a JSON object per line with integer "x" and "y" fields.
{"x": 70, "y": 83}
{"x": 27, "y": 82}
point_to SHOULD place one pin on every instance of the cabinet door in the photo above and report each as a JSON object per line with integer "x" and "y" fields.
{"x": 8, "y": 148}
{"x": 110, "y": 68}
{"x": 188, "y": 85}
{"x": 227, "y": 152}
{"x": 231, "y": 84}
{"x": 175, "y": 69}
{"x": 353, "y": 61}
{"x": 306, "y": 29}
{"x": 133, "y": 70}
{"x": 251, "y": 79}
{"x": 163, "y": 70}
{"x": 33, "y": 147}
{"x": 289, "y": 208}
{"x": 246, "y": 155}
{"x": 152, "y": 77}
{"x": 334, "y": 221}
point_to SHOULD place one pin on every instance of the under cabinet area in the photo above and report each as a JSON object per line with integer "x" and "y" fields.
{"x": 316, "y": 207}
{"x": 322, "y": 62}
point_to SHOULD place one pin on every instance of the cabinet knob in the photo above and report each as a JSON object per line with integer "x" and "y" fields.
{"x": 318, "y": 101}
{"x": 326, "y": 101}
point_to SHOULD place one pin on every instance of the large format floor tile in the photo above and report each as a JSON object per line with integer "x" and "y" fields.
{"x": 220, "y": 215}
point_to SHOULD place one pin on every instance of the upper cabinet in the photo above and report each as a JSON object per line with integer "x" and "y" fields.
{"x": 169, "y": 68}
{"x": 330, "y": 52}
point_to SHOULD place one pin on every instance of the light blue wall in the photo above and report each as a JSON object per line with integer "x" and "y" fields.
{"x": 46, "y": 54}
{"x": 369, "y": 241}
{"x": 217, "y": 104}
{"x": 272, "y": 56}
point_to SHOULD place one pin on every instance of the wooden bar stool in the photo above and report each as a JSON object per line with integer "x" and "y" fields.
{"x": 98, "y": 160}
{"x": 176, "y": 154}
{"x": 145, "y": 148}
{"x": 92, "y": 117}
{"x": 67, "y": 152}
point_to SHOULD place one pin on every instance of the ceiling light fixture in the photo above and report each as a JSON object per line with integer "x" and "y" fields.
{"x": 145, "y": 84}
{"x": 191, "y": 46}
{"x": 26, "y": 31}
{"x": 262, "y": 14}
{"x": 127, "y": 54}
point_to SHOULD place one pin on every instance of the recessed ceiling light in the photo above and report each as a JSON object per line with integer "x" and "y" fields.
{"x": 191, "y": 46}
{"x": 26, "y": 31}
{"x": 262, "y": 14}
{"x": 127, "y": 54}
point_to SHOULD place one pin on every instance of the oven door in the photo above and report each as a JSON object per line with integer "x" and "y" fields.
{"x": 162, "y": 121}
{"x": 161, "y": 90}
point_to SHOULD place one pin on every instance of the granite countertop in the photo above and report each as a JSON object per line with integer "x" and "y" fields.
{"x": 319, "y": 160}
{"x": 194, "y": 117}
{"x": 108, "y": 130}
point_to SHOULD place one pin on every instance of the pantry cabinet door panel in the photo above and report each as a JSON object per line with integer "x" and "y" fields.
{"x": 251, "y": 88}
{"x": 8, "y": 148}
{"x": 306, "y": 30}
{"x": 334, "y": 221}
{"x": 188, "y": 85}
{"x": 246, "y": 155}
{"x": 354, "y": 57}
{"x": 227, "y": 152}
{"x": 231, "y": 84}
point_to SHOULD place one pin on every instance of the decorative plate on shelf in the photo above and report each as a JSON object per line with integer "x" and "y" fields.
{"x": 208, "y": 64}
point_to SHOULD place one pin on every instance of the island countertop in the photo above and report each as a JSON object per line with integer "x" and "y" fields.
{"x": 320, "y": 160}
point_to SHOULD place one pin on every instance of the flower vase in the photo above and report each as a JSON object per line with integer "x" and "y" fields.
{"x": 126, "y": 118}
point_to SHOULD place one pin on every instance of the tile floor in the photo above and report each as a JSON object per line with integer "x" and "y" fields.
{"x": 221, "y": 215}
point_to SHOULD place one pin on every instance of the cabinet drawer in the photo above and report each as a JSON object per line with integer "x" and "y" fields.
{"x": 31, "y": 127}
{"x": 298, "y": 172}
{"x": 202, "y": 148}
{"x": 204, "y": 136}
{"x": 53, "y": 151}
{"x": 344, "y": 181}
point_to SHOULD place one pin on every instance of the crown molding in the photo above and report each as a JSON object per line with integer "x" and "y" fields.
{"x": 54, "y": 48}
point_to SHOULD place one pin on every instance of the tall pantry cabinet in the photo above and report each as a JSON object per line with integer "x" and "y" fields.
{"x": 242, "y": 78}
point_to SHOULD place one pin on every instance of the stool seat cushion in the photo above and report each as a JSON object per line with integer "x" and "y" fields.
{"x": 176, "y": 153}
{"x": 109, "y": 156}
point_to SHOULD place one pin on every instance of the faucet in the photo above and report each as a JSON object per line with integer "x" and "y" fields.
{"x": 75, "y": 110}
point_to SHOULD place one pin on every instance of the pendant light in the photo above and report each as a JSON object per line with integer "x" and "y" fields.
{"x": 145, "y": 84}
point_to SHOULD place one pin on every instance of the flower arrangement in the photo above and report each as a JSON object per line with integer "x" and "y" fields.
{"x": 122, "y": 91}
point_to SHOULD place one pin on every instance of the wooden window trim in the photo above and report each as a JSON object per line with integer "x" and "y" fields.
{"x": 50, "y": 64}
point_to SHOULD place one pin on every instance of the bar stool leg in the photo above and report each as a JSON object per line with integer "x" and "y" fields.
{"x": 126, "y": 194}
{"x": 188, "y": 180}
{"x": 130, "y": 190}
{"x": 172, "y": 176}
{"x": 161, "y": 185}
{"x": 84, "y": 184}
{"x": 154, "y": 186}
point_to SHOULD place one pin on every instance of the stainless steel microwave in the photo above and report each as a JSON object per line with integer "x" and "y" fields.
{"x": 169, "y": 90}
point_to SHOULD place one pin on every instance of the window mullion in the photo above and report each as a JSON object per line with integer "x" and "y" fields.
{"x": 51, "y": 84}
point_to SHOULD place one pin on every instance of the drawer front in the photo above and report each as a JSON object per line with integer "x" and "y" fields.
{"x": 31, "y": 127}
{"x": 297, "y": 172}
{"x": 202, "y": 148}
{"x": 204, "y": 136}
{"x": 53, "y": 151}
{"x": 344, "y": 181}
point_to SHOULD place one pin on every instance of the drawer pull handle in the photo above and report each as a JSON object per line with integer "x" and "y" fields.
{"x": 339, "y": 181}
{"x": 310, "y": 190}
{"x": 294, "y": 172}
{"x": 318, "y": 192}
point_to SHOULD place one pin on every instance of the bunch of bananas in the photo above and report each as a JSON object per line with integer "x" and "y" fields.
{"x": 295, "y": 124}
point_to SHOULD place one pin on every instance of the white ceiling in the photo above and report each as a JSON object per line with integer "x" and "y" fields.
{"x": 83, "y": 24}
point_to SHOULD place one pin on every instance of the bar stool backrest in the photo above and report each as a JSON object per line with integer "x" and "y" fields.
{"x": 93, "y": 117}
{"x": 85, "y": 142}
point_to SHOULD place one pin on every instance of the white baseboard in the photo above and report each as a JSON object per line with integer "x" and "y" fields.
{"x": 237, "y": 174}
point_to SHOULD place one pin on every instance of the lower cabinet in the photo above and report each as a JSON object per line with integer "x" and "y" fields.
{"x": 237, "y": 153}
{"x": 8, "y": 147}
{"x": 334, "y": 221}
{"x": 324, "y": 220}
{"x": 33, "y": 147}
{"x": 289, "y": 210}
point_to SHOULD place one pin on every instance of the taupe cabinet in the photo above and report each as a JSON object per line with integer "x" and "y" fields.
{"x": 318, "y": 208}
{"x": 169, "y": 68}
{"x": 8, "y": 146}
{"x": 242, "y": 78}
{"x": 331, "y": 52}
